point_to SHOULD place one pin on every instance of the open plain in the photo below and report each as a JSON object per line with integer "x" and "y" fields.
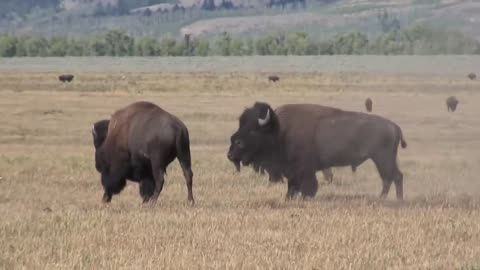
{"x": 51, "y": 215}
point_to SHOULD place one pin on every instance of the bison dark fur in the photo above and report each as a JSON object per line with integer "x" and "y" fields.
{"x": 472, "y": 76}
{"x": 300, "y": 139}
{"x": 273, "y": 78}
{"x": 65, "y": 78}
{"x": 274, "y": 173}
{"x": 143, "y": 175}
{"x": 452, "y": 103}
{"x": 140, "y": 137}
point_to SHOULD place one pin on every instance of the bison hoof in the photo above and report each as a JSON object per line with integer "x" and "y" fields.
{"x": 106, "y": 198}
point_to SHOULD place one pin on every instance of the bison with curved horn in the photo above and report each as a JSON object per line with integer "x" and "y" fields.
{"x": 300, "y": 139}
{"x": 142, "y": 136}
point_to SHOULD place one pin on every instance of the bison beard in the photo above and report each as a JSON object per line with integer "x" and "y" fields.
{"x": 142, "y": 140}
{"x": 300, "y": 139}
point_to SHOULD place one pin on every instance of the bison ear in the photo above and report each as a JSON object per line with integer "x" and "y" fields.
{"x": 263, "y": 122}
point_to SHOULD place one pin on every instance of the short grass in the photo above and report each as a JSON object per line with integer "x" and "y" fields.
{"x": 50, "y": 194}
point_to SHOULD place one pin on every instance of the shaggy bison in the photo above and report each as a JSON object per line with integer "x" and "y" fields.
{"x": 273, "y": 78}
{"x": 274, "y": 176}
{"x": 144, "y": 173}
{"x": 472, "y": 76}
{"x": 452, "y": 103}
{"x": 368, "y": 104}
{"x": 65, "y": 78}
{"x": 142, "y": 136}
{"x": 299, "y": 139}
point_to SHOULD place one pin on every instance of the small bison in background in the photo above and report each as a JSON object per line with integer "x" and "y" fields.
{"x": 452, "y": 103}
{"x": 368, "y": 104}
{"x": 273, "y": 78}
{"x": 472, "y": 76}
{"x": 141, "y": 141}
{"x": 65, "y": 78}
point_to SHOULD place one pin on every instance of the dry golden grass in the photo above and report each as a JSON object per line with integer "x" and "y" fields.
{"x": 50, "y": 195}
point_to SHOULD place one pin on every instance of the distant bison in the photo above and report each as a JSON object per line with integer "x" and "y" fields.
{"x": 472, "y": 76}
{"x": 452, "y": 103}
{"x": 142, "y": 136}
{"x": 368, "y": 104}
{"x": 144, "y": 173}
{"x": 299, "y": 139}
{"x": 65, "y": 77}
{"x": 273, "y": 78}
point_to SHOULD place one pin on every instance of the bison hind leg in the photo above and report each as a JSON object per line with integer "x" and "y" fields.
{"x": 389, "y": 172}
{"x": 146, "y": 189}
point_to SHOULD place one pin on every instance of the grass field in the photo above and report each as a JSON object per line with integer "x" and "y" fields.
{"x": 50, "y": 194}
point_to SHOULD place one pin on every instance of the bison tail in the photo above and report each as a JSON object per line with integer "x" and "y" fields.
{"x": 183, "y": 146}
{"x": 403, "y": 143}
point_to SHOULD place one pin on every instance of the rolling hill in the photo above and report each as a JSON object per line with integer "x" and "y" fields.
{"x": 249, "y": 17}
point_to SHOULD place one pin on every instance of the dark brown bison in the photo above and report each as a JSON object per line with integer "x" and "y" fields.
{"x": 300, "y": 139}
{"x": 472, "y": 76}
{"x": 143, "y": 173}
{"x": 142, "y": 136}
{"x": 452, "y": 103}
{"x": 273, "y": 78}
{"x": 65, "y": 78}
{"x": 368, "y": 104}
{"x": 275, "y": 176}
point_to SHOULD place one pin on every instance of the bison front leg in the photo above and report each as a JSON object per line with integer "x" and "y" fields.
{"x": 292, "y": 188}
{"x": 107, "y": 197}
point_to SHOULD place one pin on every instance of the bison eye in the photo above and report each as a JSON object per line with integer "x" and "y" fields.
{"x": 239, "y": 143}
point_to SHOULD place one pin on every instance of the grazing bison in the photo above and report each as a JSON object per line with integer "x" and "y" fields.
{"x": 65, "y": 77}
{"x": 273, "y": 78}
{"x": 368, "y": 104}
{"x": 300, "y": 139}
{"x": 472, "y": 76}
{"x": 142, "y": 136}
{"x": 452, "y": 103}
{"x": 144, "y": 172}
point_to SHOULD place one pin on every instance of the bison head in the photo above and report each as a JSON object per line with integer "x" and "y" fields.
{"x": 99, "y": 132}
{"x": 256, "y": 136}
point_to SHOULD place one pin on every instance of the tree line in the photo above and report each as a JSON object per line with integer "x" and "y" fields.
{"x": 419, "y": 39}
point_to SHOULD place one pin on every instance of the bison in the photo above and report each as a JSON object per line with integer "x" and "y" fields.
{"x": 300, "y": 139}
{"x": 452, "y": 103}
{"x": 144, "y": 173}
{"x": 65, "y": 78}
{"x": 368, "y": 104}
{"x": 273, "y": 78}
{"x": 472, "y": 76}
{"x": 142, "y": 136}
{"x": 275, "y": 177}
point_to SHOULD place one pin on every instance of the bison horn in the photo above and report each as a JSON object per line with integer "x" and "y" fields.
{"x": 93, "y": 131}
{"x": 263, "y": 122}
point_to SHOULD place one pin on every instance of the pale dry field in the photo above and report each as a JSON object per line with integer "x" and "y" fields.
{"x": 50, "y": 194}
